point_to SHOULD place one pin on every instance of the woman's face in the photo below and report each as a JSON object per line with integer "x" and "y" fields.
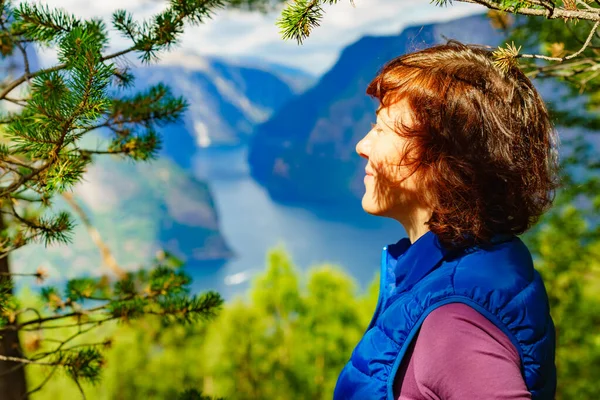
{"x": 386, "y": 193}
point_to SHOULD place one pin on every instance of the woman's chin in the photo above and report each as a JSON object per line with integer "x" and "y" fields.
{"x": 371, "y": 207}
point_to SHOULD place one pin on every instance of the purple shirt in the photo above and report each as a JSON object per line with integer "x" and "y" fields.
{"x": 459, "y": 354}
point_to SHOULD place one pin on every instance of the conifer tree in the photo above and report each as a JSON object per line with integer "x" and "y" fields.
{"x": 44, "y": 114}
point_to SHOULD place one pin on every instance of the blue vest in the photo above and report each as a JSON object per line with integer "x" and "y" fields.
{"x": 498, "y": 281}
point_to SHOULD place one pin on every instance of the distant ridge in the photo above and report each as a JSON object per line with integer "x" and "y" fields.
{"x": 227, "y": 100}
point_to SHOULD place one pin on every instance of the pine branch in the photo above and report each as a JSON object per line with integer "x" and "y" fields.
{"x": 24, "y": 178}
{"x": 19, "y": 102}
{"x": 299, "y": 18}
{"x": 96, "y": 322}
{"x": 578, "y": 39}
{"x": 64, "y": 342}
{"x": 586, "y": 5}
{"x": 40, "y": 321}
{"x": 124, "y": 23}
{"x": 25, "y": 360}
{"x": 80, "y": 389}
{"x": 17, "y": 274}
{"x": 23, "y": 78}
{"x": 554, "y": 13}
{"x": 104, "y": 343}
{"x": 88, "y": 152}
{"x": 577, "y": 53}
{"x": 160, "y": 34}
{"x": 567, "y": 65}
{"x": 40, "y": 23}
{"x": 560, "y": 66}
{"x": 565, "y": 73}
{"x": 162, "y": 293}
{"x": 53, "y": 229}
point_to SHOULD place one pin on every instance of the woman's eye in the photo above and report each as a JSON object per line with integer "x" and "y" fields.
{"x": 376, "y": 128}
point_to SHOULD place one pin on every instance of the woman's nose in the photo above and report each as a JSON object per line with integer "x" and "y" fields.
{"x": 363, "y": 147}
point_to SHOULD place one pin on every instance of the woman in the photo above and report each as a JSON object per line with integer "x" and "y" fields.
{"x": 463, "y": 156}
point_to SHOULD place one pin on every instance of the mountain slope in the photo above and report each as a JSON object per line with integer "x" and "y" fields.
{"x": 227, "y": 100}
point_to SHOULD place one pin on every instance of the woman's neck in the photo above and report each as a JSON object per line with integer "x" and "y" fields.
{"x": 415, "y": 223}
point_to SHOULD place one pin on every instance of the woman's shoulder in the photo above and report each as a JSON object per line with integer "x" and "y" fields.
{"x": 491, "y": 279}
{"x": 458, "y": 323}
{"x": 503, "y": 266}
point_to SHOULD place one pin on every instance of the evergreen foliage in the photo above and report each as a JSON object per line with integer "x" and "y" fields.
{"x": 292, "y": 345}
{"x": 573, "y": 55}
{"x": 44, "y": 114}
{"x": 289, "y": 340}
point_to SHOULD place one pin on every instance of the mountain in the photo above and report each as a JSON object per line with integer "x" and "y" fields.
{"x": 298, "y": 80}
{"x": 306, "y": 151}
{"x": 137, "y": 209}
{"x": 227, "y": 99}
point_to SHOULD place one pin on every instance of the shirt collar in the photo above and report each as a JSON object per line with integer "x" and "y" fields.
{"x": 409, "y": 263}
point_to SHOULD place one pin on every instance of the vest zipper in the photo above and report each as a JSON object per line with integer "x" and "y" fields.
{"x": 382, "y": 273}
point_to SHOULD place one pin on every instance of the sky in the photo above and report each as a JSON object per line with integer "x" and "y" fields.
{"x": 235, "y": 34}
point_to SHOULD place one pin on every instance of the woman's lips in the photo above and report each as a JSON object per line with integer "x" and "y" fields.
{"x": 368, "y": 176}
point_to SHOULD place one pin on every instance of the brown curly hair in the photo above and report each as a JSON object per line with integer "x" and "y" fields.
{"x": 483, "y": 142}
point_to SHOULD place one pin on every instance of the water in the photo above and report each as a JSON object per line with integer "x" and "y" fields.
{"x": 253, "y": 224}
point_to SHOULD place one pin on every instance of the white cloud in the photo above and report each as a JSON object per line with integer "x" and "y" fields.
{"x": 105, "y": 8}
{"x": 241, "y": 34}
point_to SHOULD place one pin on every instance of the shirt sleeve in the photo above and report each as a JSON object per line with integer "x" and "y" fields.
{"x": 460, "y": 354}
